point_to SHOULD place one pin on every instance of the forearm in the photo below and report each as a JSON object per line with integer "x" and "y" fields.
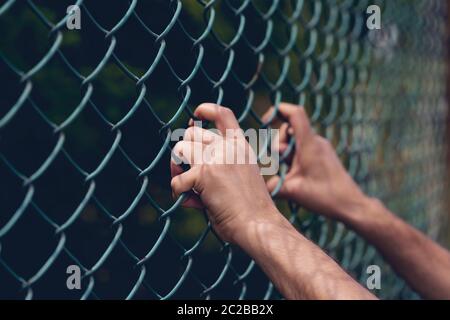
{"x": 421, "y": 262}
{"x": 298, "y": 268}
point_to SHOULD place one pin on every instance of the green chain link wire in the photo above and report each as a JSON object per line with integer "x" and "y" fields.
{"x": 380, "y": 100}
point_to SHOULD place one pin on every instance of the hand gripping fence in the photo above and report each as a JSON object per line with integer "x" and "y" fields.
{"x": 86, "y": 116}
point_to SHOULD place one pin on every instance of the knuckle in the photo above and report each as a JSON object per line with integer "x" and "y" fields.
{"x": 189, "y": 133}
{"x": 207, "y": 105}
{"x": 207, "y": 170}
{"x": 178, "y": 147}
{"x": 325, "y": 144}
{"x": 226, "y": 112}
{"x": 323, "y": 141}
{"x": 174, "y": 183}
{"x": 318, "y": 142}
{"x": 300, "y": 112}
{"x": 201, "y": 106}
{"x": 267, "y": 113}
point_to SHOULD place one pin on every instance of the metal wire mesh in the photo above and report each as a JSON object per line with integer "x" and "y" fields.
{"x": 86, "y": 115}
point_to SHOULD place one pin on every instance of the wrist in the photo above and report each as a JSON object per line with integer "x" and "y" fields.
{"x": 252, "y": 229}
{"x": 365, "y": 212}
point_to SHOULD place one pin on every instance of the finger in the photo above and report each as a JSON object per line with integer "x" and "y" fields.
{"x": 298, "y": 120}
{"x": 296, "y": 116}
{"x": 283, "y": 134}
{"x": 268, "y": 115}
{"x": 184, "y": 182}
{"x": 280, "y": 191}
{"x": 189, "y": 152}
{"x": 223, "y": 118}
{"x": 273, "y": 184}
{"x": 198, "y": 134}
{"x": 280, "y": 142}
{"x": 193, "y": 201}
{"x": 282, "y": 148}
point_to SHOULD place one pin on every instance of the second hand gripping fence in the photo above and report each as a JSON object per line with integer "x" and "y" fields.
{"x": 86, "y": 116}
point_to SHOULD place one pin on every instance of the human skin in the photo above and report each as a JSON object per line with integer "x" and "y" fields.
{"x": 318, "y": 181}
{"x": 242, "y": 212}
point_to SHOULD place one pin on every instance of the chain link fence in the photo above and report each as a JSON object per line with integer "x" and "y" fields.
{"x": 85, "y": 118}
